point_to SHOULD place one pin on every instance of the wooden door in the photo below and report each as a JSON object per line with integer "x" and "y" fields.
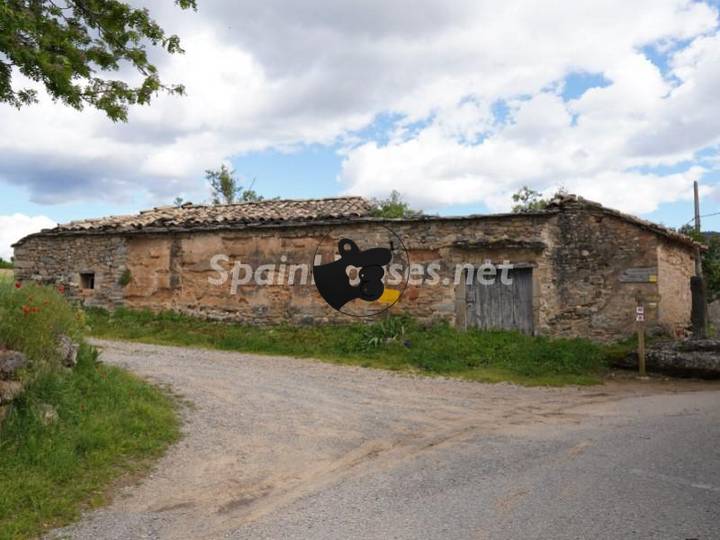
{"x": 500, "y": 306}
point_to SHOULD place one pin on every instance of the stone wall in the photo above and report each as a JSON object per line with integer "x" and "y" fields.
{"x": 173, "y": 271}
{"x": 675, "y": 268}
{"x": 61, "y": 260}
{"x": 592, "y": 252}
{"x": 580, "y": 258}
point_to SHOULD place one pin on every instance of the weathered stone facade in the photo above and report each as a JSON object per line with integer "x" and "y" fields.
{"x": 590, "y": 267}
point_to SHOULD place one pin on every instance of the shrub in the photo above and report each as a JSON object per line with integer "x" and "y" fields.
{"x": 390, "y": 329}
{"x": 32, "y": 317}
{"x": 125, "y": 278}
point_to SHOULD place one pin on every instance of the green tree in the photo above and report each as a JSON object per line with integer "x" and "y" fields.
{"x": 528, "y": 200}
{"x": 393, "y": 207}
{"x": 710, "y": 258}
{"x": 71, "y": 46}
{"x": 226, "y": 188}
{"x": 250, "y": 195}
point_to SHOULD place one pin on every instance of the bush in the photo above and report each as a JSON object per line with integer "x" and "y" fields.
{"x": 32, "y": 317}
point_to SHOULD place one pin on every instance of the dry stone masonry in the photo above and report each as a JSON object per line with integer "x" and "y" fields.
{"x": 589, "y": 265}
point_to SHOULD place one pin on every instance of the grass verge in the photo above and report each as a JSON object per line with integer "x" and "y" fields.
{"x": 395, "y": 344}
{"x": 109, "y": 423}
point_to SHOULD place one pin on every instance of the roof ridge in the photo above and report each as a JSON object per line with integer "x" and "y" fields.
{"x": 265, "y": 201}
{"x": 564, "y": 200}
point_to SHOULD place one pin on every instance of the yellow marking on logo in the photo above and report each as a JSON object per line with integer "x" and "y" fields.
{"x": 389, "y": 296}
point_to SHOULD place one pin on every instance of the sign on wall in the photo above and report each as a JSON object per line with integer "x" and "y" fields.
{"x": 639, "y": 275}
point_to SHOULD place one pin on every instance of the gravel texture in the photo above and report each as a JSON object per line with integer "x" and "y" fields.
{"x": 289, "y": 448}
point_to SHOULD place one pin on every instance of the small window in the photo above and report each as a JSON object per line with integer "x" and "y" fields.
{"x": 87, "y": 280}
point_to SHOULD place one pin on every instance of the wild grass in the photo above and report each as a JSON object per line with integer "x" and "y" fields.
{"x": 6, "y": 275}
{"x": 108, "y": 422}
{"x": 396, "y": 344}
{"x": 31, "y": 319}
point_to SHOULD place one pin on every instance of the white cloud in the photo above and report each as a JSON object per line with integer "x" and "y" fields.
{"x": 277, "y": 74}
{"x": 16, "y": 226}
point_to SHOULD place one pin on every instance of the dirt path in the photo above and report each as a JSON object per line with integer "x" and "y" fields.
{"x": 264, "y": 432}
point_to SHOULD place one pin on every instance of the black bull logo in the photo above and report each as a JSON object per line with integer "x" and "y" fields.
{"x": 333, "y": 282}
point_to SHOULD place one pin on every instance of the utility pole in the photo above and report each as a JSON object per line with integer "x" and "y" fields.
{"x": 699, "y": 314}
{"x": 698, "y": 260}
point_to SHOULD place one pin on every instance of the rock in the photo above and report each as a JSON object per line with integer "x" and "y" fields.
{"x": 68, "y": 351}
{"x": 10, "y": 362}
{"x": 48, "y": 414}
{"x": 9, "y": 390}
{"x": 686, "y": 358}
{"x": 714, "y": 314}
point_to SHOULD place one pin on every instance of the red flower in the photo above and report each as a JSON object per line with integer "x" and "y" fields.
{"x": 18, "y": 284}
{"x": 26, "y": 309}
{"x": 61, "y": 288}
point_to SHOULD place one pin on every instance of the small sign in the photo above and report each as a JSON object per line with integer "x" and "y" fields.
{"x": 647, "y": 274}
{"x": 640, "y": 317}
{"x": 640, "y": 310}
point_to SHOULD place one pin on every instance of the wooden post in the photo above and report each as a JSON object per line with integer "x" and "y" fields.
{"x": 641, "y": 350}
{"x": 640, "y": 325}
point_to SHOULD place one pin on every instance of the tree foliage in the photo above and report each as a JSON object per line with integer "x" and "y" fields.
{"x": 393, "y": 207}
{"x": 528, "y": 200}
{"x": 72, "y": 46}
{"x": 710, "y": 258}
{"x": 226, "y": 188}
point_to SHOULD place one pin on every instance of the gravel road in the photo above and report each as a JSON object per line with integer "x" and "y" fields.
{"x": 289, "y": 448}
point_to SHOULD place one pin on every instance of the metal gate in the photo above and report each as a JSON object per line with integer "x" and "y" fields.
{"x": 499, "y": 306}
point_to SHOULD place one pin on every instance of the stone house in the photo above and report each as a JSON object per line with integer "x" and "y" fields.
{"x": 577, "y": 268}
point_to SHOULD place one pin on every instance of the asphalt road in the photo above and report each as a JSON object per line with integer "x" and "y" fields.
{"x": 286, "y": 448}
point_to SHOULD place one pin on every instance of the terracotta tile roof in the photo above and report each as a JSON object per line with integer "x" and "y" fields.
{"x": 189, "y": 216}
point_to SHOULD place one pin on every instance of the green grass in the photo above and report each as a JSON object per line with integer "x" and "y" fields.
{"x": 395, "y": 344}
{"x": 110, "y": 424}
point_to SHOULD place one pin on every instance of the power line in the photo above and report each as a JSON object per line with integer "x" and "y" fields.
{"x": 706, "y": 215}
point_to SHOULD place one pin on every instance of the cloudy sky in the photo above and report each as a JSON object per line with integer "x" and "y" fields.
{"x": 454, "y": 104}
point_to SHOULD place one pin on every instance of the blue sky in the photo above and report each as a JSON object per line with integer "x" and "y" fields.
{"x": 455, "y": 108}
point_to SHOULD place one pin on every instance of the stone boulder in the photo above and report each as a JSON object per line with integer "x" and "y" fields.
{"x": 68, "y": 351}
{"x": 47, "y": 413}
{"x": 9, "y": 390}
{"x": 10, "y": 363}
{"x": 686, "y": 358}
{"x": 714, "y": 314}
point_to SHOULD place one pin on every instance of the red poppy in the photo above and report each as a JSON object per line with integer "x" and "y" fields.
{"x": 18, "y": 284}
{"x": 26, "y": 310}
{"x": 61, "y": 289}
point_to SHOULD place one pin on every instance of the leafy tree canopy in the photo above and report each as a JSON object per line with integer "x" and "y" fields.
{"x": 226, "y": 188}
{"x": 528, "y": 200}
{"x": 710, "y": 258}
{"x": 393, "y": 207}
{"x": 71, "y": 46}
